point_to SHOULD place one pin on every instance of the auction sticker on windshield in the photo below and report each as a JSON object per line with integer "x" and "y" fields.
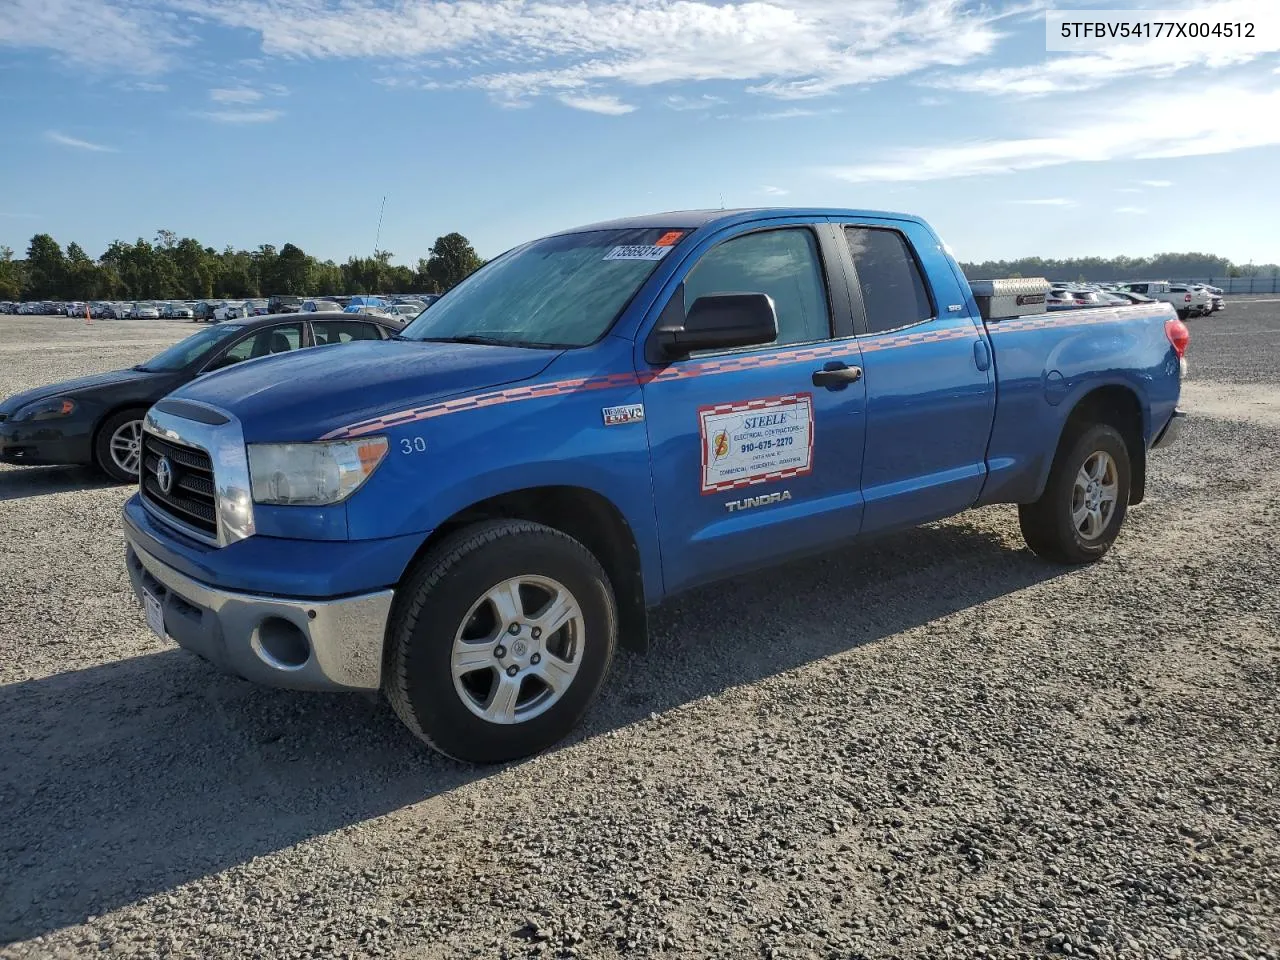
{"x": 639, "y": 251}
{"x": 756, "y": 441}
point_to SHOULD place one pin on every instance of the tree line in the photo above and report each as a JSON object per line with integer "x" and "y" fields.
{"x": 174, "y": 268}
{"x": 1162, "y": 266}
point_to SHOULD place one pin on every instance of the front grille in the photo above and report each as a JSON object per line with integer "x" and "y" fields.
{"x": 190, "y": 500}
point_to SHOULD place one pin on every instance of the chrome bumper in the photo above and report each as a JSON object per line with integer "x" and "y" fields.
{"x": 278, "y": 642}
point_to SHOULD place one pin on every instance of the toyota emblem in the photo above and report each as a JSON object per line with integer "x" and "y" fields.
{"x": 164, "y": 475}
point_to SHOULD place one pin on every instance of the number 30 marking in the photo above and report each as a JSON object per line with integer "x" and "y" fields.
{"x": 413, "y": 445}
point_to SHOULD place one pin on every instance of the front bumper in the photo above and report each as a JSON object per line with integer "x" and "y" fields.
{"x": 1171, "y": 431}
{"x": 301, "y": 644}
{"x": 39, "y": 444}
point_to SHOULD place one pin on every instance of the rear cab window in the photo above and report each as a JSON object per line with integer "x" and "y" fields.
{"x": 889, "y": 278}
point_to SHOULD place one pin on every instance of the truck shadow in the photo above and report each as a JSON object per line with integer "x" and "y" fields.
{"x": 131, "y": 778}
{"x": 22, "y": 482}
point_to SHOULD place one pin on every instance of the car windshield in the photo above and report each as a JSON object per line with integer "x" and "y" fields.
{"x": 563, "y": 291}
{"x": 186, "y": 352}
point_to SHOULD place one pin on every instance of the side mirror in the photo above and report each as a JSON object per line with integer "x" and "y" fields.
{"x": 721, "y": 321}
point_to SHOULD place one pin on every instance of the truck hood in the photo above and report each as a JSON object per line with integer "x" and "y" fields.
{"x": 306, "y": 394}
{"x": 72, "y": 387}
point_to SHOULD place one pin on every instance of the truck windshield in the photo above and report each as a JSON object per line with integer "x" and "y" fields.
{"x": 187, "y": 351}
{"x": 563, "y": 291}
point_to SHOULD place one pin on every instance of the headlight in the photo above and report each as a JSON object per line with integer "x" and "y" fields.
{"x": 314, "y": 474}
{"x": 50, "y": 409}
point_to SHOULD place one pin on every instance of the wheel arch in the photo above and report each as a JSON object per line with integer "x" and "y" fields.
{"x": 1119, "y": 406}
{"x": 108, "y": 412}
{"x": 587, "y": 516}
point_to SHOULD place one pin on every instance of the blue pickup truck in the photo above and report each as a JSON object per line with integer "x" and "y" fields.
{"x": 470, "y": 516}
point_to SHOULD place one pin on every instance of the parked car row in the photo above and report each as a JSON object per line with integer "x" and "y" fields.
{"x": 1188, "y": 299}
{"x": 401, "y": 307}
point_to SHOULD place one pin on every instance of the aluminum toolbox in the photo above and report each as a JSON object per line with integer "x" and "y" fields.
{"x": 1016, "y": 297}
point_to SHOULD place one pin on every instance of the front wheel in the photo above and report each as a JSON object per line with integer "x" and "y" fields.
{"x": 499, "y": 641}
{"x": 117, "y": 449}
{"x": 1084, "y": 503}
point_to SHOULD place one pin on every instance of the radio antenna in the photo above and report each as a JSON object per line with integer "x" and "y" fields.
{"x": 377, "y": 243}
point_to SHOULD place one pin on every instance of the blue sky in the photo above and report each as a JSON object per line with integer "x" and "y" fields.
{"x": 242, "y": 122}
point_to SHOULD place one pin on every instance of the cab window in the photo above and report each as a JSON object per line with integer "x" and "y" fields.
{"x": 893, "y": 290}
{"x": 785, "y": 264}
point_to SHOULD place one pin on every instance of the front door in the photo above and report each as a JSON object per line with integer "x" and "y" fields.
{"x": 754, "y": 461}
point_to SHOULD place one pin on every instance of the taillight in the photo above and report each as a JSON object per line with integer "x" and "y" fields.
{"x": 1187, "y": 298}
{"x": 1179, "y": 336}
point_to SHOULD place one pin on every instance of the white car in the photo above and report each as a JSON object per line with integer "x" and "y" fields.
{"x": 230, "y": 310}
{"x": 1201, "y": 302}
{"x": 1177, "y": 295}
{"x": 320, "y": 306}
{"x": 144, "y": 310}
{"x": 406, "y": 311}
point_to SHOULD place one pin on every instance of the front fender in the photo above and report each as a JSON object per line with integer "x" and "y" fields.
{"x": 546, "y": 433}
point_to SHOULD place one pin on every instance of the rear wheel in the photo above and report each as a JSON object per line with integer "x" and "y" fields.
{"x": 1085, "y": 501}
{"x": 500, "y": 640}
{"x": 117, "y": 448}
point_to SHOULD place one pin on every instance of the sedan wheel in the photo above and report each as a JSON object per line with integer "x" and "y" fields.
{"x": 126, "y": 446}
{"x": 118, "y": 446}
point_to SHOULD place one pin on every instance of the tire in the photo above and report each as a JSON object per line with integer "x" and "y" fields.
{"x": 109, "y": 441}
{"x": 1052, "y": 525}
{"x": 445, "y": 610}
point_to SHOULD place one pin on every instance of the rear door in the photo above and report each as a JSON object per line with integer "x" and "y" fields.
{"x": 753, "y": 462}
{"x": 929, "y": 378}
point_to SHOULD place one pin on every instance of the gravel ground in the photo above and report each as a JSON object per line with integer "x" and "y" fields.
{"x": 930, "y": 746}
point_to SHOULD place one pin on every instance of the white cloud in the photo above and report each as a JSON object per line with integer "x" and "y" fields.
{"x": 1047, "y": 202}
{"x": 682, "y": 103}
{"x": 78, "y": 144}
{"x": 234, "y": 95}
{"x": 788, "y": 113}
{"x": 20, "y": 216}
{"x": 788, "y": 49}
{"x": 242, "y": 116}
{"x": 93, "y": 34}
{"x": 143, "y": 86}
{"x": 1128, "y": 59}
{"x": 775, "y": 191}
{"x": 1209, "y": 120}
{"x": 1133, "y": 210}
{"x": 608, "y": 105}
{"x": 1156, "y": 183}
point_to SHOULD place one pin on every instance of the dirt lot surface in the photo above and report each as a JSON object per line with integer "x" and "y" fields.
{"x": 930, "y": 746}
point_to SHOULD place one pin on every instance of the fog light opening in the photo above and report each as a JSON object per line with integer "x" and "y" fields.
{"x": 281, "y": 644}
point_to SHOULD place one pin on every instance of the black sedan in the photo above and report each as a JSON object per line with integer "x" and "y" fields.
{"x": 98, "y": 420}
